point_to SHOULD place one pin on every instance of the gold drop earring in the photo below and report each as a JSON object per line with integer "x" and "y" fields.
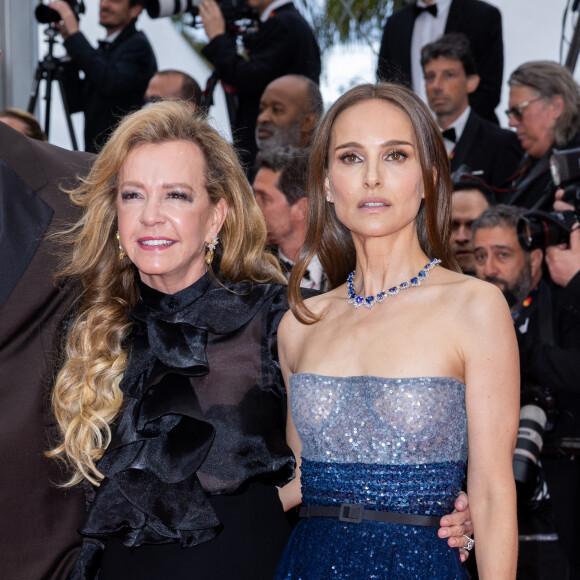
{"x": 122, "y": 253}
{"x": 211, "y": 249}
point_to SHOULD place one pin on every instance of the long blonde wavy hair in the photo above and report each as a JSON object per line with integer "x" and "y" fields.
{"x": 87, "y": 398}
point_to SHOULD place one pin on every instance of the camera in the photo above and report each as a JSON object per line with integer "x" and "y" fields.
{"x": 231, "y": 9}
{"x": 540, "y": 229}
{"x": 46, "y": 15}
{"x": 536, "y": 417}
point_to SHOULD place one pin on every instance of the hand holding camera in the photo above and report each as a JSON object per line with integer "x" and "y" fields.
{"x": 68, "y": 22}
{"x": 212, "y": 18}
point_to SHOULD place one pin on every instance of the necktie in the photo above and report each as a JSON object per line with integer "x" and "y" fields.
{"x": 449, "y": 134}
{"x": 432, "y": 9}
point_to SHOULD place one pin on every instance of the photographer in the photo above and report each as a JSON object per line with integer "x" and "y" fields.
{"x": 544, "y": 109}
{"x": 547, "y": 323}
{"x": 116, "y": 73}
{"x": 563, "y": 260}
{"x": 282, "y": 44}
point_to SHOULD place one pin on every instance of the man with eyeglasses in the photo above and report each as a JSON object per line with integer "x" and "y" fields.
{"x": 544, "y": 109}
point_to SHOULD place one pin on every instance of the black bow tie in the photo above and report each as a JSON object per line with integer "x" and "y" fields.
{"x": 432, "y": 9}
{"x": 449, "y": 134}
{"x": 287, "y": 268}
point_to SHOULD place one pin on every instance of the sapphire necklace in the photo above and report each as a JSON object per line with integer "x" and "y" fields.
{"x": 370, "y": 301}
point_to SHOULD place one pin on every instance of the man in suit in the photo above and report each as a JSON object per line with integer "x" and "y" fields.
{"x": 115, "y": 74}
{"x": 491, "y": 153}
{"x": 280, "y": 188}
{"x": 283, "y": 44}
{"x": 38, "y": 536}
{"x": 415, "y": 25}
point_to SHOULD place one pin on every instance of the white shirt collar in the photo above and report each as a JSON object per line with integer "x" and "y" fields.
{"x": 427, "y": 28}
{"x": 112, "y": 37}
{"x": 273, "y": 6}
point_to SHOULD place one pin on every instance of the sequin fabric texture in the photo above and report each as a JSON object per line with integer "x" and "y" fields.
{"x": 396, "y": 445}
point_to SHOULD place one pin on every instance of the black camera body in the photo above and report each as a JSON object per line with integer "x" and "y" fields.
{"x": 232, "y": 10}
{"x": 540, "y": 229}
{"x": 46, "y": 15}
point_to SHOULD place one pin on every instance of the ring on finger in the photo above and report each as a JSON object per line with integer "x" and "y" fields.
{"x": 470, "y": 542}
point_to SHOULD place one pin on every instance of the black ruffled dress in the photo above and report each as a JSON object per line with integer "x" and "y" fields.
{"x": 191, "y": 472}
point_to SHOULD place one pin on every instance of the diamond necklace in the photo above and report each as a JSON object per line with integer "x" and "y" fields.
{"x": 370, "y": 301}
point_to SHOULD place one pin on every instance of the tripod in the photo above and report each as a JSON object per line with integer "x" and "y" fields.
{"x": 50, "y": 69}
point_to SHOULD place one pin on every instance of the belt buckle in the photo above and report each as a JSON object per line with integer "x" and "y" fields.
{"x": 351, "y": 513}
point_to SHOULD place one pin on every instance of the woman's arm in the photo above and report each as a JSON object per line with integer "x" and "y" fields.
{"x": 290, "y": 494}
{"x": 492, "y": 402}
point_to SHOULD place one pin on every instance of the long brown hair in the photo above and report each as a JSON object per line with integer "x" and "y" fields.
{"x": 86, "y": 397}
{"x": 328, "y": 238}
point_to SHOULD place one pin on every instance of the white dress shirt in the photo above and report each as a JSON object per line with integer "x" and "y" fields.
{"x": 426, "y": 29}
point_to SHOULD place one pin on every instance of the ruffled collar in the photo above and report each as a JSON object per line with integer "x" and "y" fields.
{"x": 173, "y": 329}
{"x": 151, "y": 493}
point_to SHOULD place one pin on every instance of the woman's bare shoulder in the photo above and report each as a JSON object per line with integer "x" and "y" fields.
{"x": 474, "y": 299}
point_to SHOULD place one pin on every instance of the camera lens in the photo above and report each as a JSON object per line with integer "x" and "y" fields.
{"x": 539, "y": 229}
{"x": 46, "y": 15}
{"x": 533, "y": 421}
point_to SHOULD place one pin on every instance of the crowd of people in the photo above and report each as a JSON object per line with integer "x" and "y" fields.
{"x": 291, "y": 356}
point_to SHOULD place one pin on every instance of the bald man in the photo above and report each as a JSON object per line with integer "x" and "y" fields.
{"x": 290, "y": 107}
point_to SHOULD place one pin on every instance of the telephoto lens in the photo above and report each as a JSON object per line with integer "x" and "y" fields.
{"x": 529, "y": 444}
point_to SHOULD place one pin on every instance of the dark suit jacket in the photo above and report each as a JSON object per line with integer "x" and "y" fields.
{"x": 533, "y": 187}
{"x": 38, "y": 537}
{"x": 485, "y": 146}
{"x": 557, "y": 366}
{"x": 283, "y": 45}
{"x": 479, "y": 21}
{"x": 116, "y": 78}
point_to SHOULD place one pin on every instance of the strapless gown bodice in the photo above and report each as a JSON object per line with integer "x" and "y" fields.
{"x": 390, "y": 444}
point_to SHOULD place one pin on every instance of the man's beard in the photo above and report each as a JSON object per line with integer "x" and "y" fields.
{"x": 279, "y": 137}
{"x": 517, "y": 292}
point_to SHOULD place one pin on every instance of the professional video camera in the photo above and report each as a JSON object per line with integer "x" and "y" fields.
{"x": 46, "y": 15}
{"x": 232, "y": 10}
{"x": 536, "y": 417}
{"x": 540, "y": 229}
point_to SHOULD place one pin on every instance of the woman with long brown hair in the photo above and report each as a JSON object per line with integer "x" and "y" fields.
{"x": 401, "y": 369}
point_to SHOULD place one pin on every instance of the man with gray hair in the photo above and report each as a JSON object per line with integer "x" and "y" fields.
{"x": 544, "y": 109}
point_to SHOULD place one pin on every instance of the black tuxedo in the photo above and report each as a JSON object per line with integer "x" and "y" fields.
{"x": 38, "y": 535}
{"x": 116, "y": 78}
{"x": 284, "y": 44}
{"x": 484, "y": 146}
{"x": 479, "y": 21}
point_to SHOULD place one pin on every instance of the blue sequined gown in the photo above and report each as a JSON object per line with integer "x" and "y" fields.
{"x": 397, "y": 445}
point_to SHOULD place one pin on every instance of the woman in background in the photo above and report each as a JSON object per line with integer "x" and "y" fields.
{"x": 402, "y": 368}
